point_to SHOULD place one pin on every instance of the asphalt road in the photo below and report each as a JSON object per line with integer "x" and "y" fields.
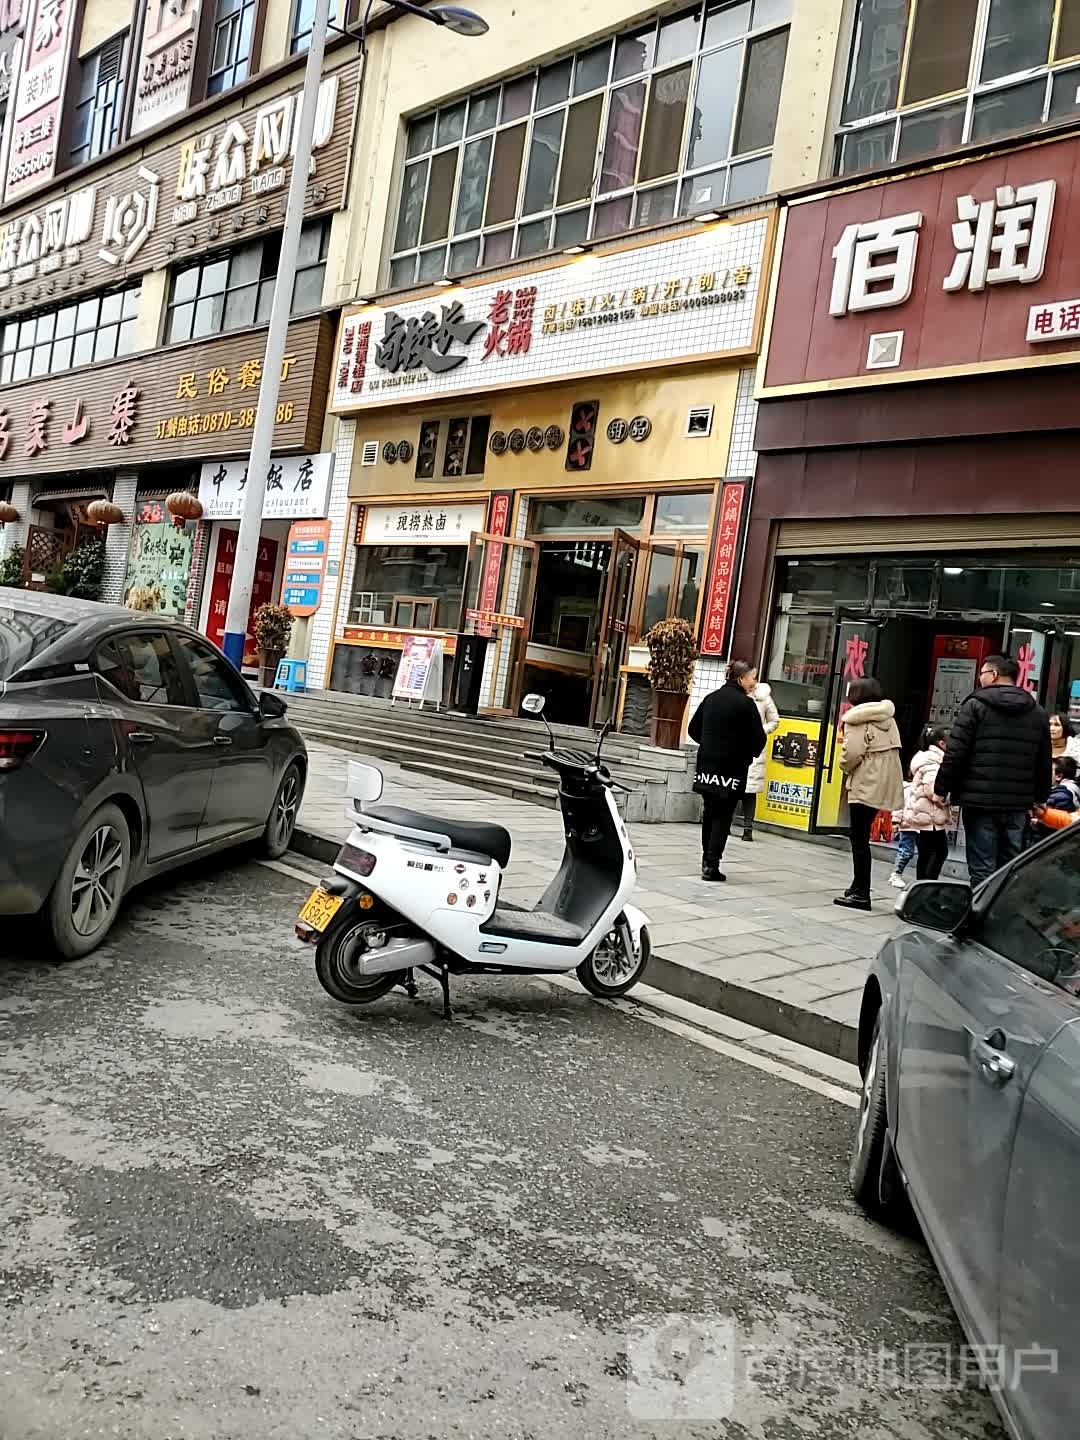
{"x": 232, "y": 1210}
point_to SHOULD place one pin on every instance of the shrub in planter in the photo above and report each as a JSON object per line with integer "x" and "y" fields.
{"x": 672, "y": 653}
{"x": 273, "y": 629}
{"x": 81, "y": 572}
{"x": 11, "y": 567}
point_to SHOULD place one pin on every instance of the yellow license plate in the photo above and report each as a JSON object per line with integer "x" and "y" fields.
{"x": 319, "y": 909}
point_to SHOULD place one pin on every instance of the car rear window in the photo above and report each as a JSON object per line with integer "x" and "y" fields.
{"x": 24, "y": 635}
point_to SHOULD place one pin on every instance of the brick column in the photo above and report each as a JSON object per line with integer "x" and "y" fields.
{"x": 15, "y": 534}
{"x": 321, "y": 634}
{"x": 118, "y": 539}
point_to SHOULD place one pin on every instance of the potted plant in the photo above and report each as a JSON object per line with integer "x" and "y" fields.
{"x": 11, "y": 567}
{"x": 273, "y": 627}
{"x": 672, "y": 652}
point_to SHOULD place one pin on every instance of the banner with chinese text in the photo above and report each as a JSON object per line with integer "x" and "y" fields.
{"x": 724, "y": 568}
{"x": 262, "y": 589}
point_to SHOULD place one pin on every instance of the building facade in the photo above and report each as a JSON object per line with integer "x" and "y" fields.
{"x": 144, "y": 197}
{"x": 915, "y": 501}
{"x": 552, "y": 337}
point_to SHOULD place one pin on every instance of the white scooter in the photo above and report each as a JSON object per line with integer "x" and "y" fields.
{"x": 419, "y": 892}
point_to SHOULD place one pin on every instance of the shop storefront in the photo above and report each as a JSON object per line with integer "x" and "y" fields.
{"x": 915, "y": 504}
{"x": 541, "y": 459}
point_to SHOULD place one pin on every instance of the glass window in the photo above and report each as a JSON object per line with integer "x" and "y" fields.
{"x": 749, "y": 179}
{"x": 658, "y": 589}
{"x": 714, "y": 107}
{"x": 24, "y": 634}
{"x": 464, "y": 256}
{"x": 1017, "y": 36}
{"x": 877, "y": 50}
{"x": 387, "y": 575}
{"x": 1004, "y": 111}
{"x": 303, "y": 17}
{"x": 42, "y": 344}
{"x": 926, "y": 132}
{"x": 235, "y": 290}
{"x": 664, "y": 121}
{"x": 543, "y": 146}
{"x": 142, "y": 667}
{"x": 866, "y": 149}
{"x": 1034, "y": 919}
{"x": 555, "y": 517}
{"x": 903, "y": 586}
{"x": 765, "y": 59}
{"x": 942, "y": 35}
{"x": 1068, "y": 35}
{"x": 216, "y": 686}
{"x": 99, "y": 106}
{"x": 230, "y": 44}
{"x": 1065, "y": 98}
{"x": 683, "y": 512}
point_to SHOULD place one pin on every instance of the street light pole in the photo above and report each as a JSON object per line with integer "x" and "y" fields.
{"x": 452, "y": 17}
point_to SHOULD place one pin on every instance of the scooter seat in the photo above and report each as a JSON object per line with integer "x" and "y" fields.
{"x": 482, "y": 839}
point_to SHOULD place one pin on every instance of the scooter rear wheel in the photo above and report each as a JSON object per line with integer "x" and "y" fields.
{"x": 613, "y": 968}
{"x": 337, "y": 967}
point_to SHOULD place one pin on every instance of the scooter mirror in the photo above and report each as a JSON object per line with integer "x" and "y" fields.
{"x": 363, "y": 782}
{"x": 533, "y": 704}
{"x": 605, "y": 731}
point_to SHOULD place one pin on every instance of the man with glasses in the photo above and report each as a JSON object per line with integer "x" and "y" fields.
{"x": 996, "y": 766}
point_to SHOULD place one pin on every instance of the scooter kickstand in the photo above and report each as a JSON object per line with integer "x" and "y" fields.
{"x": 409, "y": 985}
{"x": 444, "y": 981}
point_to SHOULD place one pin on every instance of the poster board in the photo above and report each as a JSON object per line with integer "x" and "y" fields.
{"x": 790, "y": 765}
{"x": 420, "y": 671}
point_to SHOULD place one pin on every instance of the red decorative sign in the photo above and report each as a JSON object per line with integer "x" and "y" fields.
{"x": 498, "y": 523}
{"x": 966, "y": 265}
{"x": 262, "y": 589}
{"x": 724, "y": 569}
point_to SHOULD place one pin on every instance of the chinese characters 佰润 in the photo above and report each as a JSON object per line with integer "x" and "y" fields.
{"x": 996, "y": 241}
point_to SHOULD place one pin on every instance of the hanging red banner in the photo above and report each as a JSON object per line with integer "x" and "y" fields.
{"x": 724, "y": 570}
{"x": 498, "y": 524}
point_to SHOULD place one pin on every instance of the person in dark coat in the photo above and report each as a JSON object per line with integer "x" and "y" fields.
{"x": 996, "y": 766}
{"x": 727, "y": 727}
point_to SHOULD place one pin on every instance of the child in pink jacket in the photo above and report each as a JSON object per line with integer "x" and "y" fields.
{"x": 928, "y": 814}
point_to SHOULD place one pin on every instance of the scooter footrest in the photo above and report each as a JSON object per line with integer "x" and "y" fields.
{"x": 513, "y": 924}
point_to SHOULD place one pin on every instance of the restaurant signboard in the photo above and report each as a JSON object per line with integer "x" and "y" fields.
{"x": 695, "y": 296}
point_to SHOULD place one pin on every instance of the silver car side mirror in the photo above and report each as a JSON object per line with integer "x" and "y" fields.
{"x": 941, "y": 905}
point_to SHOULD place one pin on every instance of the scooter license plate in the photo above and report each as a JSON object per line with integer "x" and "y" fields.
{"x": 319, "y": 909}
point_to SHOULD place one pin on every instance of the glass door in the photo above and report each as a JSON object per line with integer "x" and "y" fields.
{"x": 497, "y": 603}
{"x": 613, "y": 637}
{"x": 854, "y": 655}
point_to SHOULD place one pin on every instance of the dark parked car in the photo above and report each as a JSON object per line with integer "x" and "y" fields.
{"x": 128, "y": 745}
{"x": 969, "y": 1045}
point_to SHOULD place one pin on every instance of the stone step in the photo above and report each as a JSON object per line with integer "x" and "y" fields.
{"x": 511, "y": 790}
{"x": 404, "y": 751}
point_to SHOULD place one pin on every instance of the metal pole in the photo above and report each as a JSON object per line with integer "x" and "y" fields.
{"x": 262, "y": 439}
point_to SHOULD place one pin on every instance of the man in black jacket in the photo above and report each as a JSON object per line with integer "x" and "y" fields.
{"x": 996, "y": 766}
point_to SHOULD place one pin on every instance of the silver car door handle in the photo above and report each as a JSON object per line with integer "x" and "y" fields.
{"x": 995, "y": 1065}
{"x": 222, "y": 740}
{"x": 141, "y": 737}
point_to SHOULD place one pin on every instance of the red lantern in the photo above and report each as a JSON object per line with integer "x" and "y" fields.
{"x": 8, "y": 513}
{"x": 183, "y": 506}
{"x": 104, "y": 512}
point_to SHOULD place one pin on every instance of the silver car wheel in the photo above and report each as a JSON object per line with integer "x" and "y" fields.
{"x": 285, "y": 808}
{"x": 97, "y": 885}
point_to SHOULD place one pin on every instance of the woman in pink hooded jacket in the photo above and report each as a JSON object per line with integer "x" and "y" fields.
{"x": 927, "y": 814}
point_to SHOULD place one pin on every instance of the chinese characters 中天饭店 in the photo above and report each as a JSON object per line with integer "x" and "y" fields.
{"x": 996, "y": 242}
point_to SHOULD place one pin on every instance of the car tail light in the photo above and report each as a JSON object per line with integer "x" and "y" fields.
{"x": 17, "y": 746}
{"x": 360, "y": 862}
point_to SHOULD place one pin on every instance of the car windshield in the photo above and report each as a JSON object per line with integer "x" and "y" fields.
{"x": 24, "y": 635}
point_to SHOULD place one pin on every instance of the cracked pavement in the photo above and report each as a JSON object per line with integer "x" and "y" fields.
{"x": 234, "y": 1210}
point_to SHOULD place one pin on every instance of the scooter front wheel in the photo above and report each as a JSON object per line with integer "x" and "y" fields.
{"x": 337, "y": 965}
{"x": 615, "y": 967}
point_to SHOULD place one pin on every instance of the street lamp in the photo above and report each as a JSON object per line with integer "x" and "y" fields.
{"x": 451, "y": 17}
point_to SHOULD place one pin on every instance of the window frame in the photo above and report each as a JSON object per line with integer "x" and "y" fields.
{"x": 118, "y": 637}
{"x": 595, "y": 202}
{"x": 970, "y": 94}
{"x": 126, "y": 326}
{"x": 240, "y": 68}
{"x": 93, "y": 148}
{"x": 262, "y": 283}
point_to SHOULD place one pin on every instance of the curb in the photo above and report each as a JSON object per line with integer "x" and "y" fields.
{"x": 778, "y": 1017}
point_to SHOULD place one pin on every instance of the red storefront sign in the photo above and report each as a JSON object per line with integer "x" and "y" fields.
{"x": 970, "y": 265}
{"x": 262, "y": 589}
{"x": 724, "y": 568}
{"x": 498, "y": 523}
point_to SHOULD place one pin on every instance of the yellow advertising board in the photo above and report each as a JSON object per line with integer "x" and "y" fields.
{"x": 790, "y": 760}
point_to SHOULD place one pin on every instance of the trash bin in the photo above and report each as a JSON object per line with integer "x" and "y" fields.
{"x": 468, "y": 676}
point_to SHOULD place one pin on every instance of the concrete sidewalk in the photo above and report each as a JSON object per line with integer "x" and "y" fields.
{"x": 768, "y": 948}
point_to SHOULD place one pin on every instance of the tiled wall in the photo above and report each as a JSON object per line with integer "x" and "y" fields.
{"x": 338, "y": 515}
{"x": 742, "y": 458}
{"x": 118, "y": 539}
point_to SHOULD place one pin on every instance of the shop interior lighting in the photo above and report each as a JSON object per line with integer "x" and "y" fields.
{"x": 954, "y": 569}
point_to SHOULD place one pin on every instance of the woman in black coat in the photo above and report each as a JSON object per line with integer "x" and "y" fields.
{"x": 729, "y": 732}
